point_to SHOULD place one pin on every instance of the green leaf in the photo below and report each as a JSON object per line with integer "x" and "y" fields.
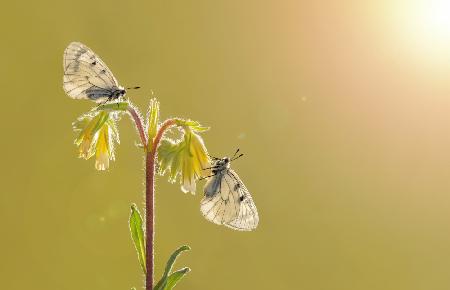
{"x": 193, "y": 125}
{"x": 176, "y": 276}
{"x": 137, "y": 234}
{"x": 173, "y": 258}
{"x": 164, "y": 282}
{"x": 120, "y": 106}
{"x": 153, "y": 118}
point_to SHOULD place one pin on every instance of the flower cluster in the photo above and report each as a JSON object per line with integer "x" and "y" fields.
{"x": 186, "y": 158}
{"x": 97, "y": 132}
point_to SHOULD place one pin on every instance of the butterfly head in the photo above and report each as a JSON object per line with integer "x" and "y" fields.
{"x": 220, "y": 165}
{"x": 118, "y": 92}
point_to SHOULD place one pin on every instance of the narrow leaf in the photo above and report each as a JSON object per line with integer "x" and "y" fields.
{"x": 173, "y": 258}
{"x": 161, "y": 284}
{"x": 137, "y": 234}
{"x": 176, "y": 276}
{"x": 164, "y": 280}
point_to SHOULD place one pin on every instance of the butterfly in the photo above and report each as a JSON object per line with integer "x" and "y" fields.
{"x": 226, "y": 200}
{"x": 86, "y": 76}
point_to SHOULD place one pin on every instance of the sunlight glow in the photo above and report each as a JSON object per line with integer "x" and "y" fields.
{"x": 429, "y": 24}
{"x": 434, "y": 19}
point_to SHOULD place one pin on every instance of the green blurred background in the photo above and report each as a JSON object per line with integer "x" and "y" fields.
{"x": 342, "y": 110}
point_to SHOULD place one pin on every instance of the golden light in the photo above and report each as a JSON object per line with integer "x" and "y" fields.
{"x": 426, "y": 26}
{"x": 434, "y": 21}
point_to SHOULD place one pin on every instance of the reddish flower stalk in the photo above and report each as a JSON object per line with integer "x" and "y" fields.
{"x": 139, "y": 125}
{"x": 150, "y": 160}
{"x": 149, "y": 200}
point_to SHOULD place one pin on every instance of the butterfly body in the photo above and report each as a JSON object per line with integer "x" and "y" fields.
{"x": 219, "y": 170}
{"x": 86, "y": 76}
{"x": 226, "y": 200}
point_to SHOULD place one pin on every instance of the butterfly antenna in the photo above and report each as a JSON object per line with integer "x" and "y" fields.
{"x": 240, "y": 155}
{"x": 234, "y": 158}
{"x": 133, "y": 88}
{"x": 235, "y": 153}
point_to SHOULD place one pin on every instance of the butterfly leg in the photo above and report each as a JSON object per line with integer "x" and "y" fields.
{"x": 102, "y": 103}
{"x": 204, "y": 177}
{"x": 111, "y": 98}
{"x": 212, "y": 167}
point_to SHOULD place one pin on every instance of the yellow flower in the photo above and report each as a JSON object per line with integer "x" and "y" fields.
{"x": 194, "y": 161}
{"x": 85, "y": 148}
{"x": 104, "y": 151}
{"x": 186, "y": 158}
{"x": 97, "y": 132}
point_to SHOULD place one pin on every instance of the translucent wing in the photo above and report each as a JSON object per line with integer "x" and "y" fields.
{"x": 247, "y": 218}
{"x": 220, "y": 204}
{"x": 86, "y": 76}
{"x": 228, "y": 202}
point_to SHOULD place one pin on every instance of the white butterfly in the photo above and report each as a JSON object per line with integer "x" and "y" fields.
{"x": 227, "y": 201}
{"x": 86, "y": 76}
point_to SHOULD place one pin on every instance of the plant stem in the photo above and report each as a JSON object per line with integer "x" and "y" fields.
{"x": 150, "y": 159}
{"x": 139, "y": 125}
{"x": 150, "y": 198}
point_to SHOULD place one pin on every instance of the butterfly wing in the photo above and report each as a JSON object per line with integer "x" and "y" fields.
{"x": 219, "y": 204}
{"x": 228, "y": 202}
{"x": 248, "y": 217}
{"x": 86, "y": 76}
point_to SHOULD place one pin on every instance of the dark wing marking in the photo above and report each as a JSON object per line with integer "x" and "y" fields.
{"x": 219, "y": 203}
{"x": 86, "y": 76}
{"x": 248, "y": 217}
{"x": 228, "y": 202}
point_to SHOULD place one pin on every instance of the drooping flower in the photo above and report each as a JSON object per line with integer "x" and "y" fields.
{"x": 186, "y": 158}
{"x": 97, "y": 133}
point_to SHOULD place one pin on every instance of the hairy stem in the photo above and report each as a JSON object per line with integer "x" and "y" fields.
{"x": 150, "y": 161}
{"x": 139, "y": 125}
